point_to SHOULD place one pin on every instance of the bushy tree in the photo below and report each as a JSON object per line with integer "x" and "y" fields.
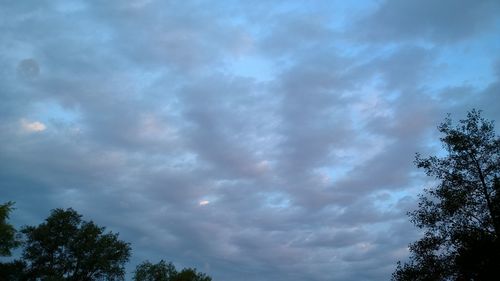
{"x": 10, "y": 270}
{"x": 460, "y": 216}
{"x": 14, "y": 270}
{"x": 65, "y": 247}
{"x": 190, "y": 274}
{"x": 8, "y": 239}
{"x": 163, "y": 271}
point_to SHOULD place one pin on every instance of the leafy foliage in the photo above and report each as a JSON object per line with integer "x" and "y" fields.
{"x": 190, "y": 274}
{"x": 13, "y": 271}
{"x": 461, "y": 215}
{"x": 163, "y": 271}
{"x": 8, "y": 239}
{"x": 65, "y": 247}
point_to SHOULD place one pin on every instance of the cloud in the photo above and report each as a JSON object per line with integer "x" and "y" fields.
{"x": 34, "y": 126}
{"x": 438, "y": 21}
{"x": 203, "y": 202}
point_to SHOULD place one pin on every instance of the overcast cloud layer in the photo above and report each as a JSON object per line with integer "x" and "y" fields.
{"x": 253, "y": 140}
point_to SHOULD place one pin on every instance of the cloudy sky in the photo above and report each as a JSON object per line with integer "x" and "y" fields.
{"x": 253, "y": 140}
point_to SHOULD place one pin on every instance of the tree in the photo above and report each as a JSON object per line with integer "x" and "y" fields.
{"x": 460, "y": 216}
{"x": 12, "y": 270}
{"x": 8, "y": 239}
{"x": 190, "y": 274}
{"x": 163, "y": 271}
{"x": 65, "y": 247}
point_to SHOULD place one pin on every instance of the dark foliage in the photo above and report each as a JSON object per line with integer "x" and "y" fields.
{"x": 65, "y": 247}
{"x": 190, "y": 274}
{"x": 163, "y": 271}
{"x": 461, "y": 215}
{"x": 8, "y": 239}
{"x": 13, "y": 271}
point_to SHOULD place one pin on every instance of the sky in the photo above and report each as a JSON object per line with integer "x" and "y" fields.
{"x": 253, "y": 140}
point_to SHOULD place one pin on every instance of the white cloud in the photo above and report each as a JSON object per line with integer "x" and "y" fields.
{"x": 33, "y": 126}
{"x": 204, "y": 202}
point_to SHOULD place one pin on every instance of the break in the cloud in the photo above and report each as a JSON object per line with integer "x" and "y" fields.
{"x": 252, "y": 140}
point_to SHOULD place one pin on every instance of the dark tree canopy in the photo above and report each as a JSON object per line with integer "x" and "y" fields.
{"x": 65, "y": 247}
{"x": 10, "y": 270}
{"x": 13, "y": 271}
{"x": 163, "y": 271}
{"x": 460, "y": 216}
{"x": 8, "y": 239}
{"x": 190, "y": 274}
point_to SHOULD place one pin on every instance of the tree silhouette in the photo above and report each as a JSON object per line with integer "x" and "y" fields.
{"x": 163, "y": 271}
{"x": 461, "y": 215}
{"x": 190, "y": 274}
{"x": 65, "y": 247}
{"x": 8, "y": 239}
{"x": 11, "y": 270}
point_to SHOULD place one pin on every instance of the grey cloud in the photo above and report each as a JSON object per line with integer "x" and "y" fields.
{"x": 290, "y": 34}
{"x": 487, "y": 98}
{"x": 226, "y": 134}
{"x": 404, "y": 68}
{"x": 457, "y": 100}
{"x": 337, "y": 239}
{"x": 186, "y": 38}
{"x": 438, "y": 21}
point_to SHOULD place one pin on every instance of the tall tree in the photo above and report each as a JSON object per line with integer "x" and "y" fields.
{"x": 8, "y": 239}
{"x": 65, "y": 247}
{"x": 460, "y": 216}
